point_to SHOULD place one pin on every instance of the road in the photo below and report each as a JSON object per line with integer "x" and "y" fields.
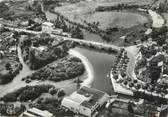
{"x": 58, "y": 37}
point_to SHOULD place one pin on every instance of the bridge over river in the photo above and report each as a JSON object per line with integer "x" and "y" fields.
{"x": 85, "y": 43}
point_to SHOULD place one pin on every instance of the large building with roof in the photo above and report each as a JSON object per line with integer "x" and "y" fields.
{"x": 85, "y": 101}
{"x": 47, "y": 27}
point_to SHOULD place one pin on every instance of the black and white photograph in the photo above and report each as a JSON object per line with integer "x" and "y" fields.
{"x": 83, "y": 58}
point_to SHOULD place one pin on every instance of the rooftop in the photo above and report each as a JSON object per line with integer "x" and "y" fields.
{"x": 94, "y": 94}
{"x": 39, "y": 112}
{"x": 48, "y": 24}
{"x": 86, "y": 97}
{"x": 78, "y": 98}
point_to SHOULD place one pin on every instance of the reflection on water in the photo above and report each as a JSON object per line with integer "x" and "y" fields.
{"x": 101, "y": 63}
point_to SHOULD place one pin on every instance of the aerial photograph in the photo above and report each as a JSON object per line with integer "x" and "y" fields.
{"x": 83, "y": 58}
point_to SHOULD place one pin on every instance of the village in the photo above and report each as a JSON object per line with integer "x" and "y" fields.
{"x": 50, "y": 61}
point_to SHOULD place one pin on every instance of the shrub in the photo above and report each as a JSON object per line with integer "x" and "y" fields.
{"x": 61, "y": 93}
{"x": 53, "y": 91}
{"x": 27, "y": 93}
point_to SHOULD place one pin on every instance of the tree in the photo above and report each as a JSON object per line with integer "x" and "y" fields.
{"x": 57, "y": 52}
{"x": 154, "y": 74}
{"x": 61, "y": 93}
{"x": 77, "y": 32}
{"x": 44, "y": 38}
{"x": 57, "y": 22}
{"x": 107, "y": 38}
{"x": 3, "y": 8}
{"x": 39, "y": 8}
{"x": 163, "y": 7}
{"x": 10, "y": 97}
{"x": 8, "y": 66}
{"x": 130, "y": 108}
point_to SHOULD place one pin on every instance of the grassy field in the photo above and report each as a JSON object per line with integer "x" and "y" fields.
{"x": 86, "y": 11}
{"x": 127, "y": 21}
{"x": 90, "y": 5}
{"x": 112, "y": 19}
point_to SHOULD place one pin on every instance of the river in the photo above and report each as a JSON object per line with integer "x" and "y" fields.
{"x": 97, "y": 64}
{"x": 101, "y": 63}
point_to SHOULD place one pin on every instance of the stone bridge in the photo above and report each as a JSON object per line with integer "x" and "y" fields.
{"x": 84, "y": 43}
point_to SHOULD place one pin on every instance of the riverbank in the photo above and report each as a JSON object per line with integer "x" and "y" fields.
{"x": 68, "y": 67}
{"x": 113, "y": 29}
{"x": 68, "y": 85}
{"x": 89, "y": 68}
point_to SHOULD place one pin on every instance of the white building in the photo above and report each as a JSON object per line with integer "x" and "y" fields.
{"x": 47, "y": 27}
{"x": 34, "y": 112}
{"x": 85, "y": 101}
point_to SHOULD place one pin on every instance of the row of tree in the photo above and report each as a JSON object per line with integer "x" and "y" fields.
{"x": 119, "y": 7}
{"x": 90, "y": 27}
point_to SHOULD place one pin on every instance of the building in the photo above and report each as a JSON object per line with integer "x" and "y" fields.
{"x": 13, "y": 49}
{"x": 85, "y": 101}
{"x": 34, "y": 112}
{"x": 47, "y": 27}
{"x": 57, "y": 31}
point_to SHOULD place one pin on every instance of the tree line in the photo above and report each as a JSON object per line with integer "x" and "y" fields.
{"x": 119, "y": 7}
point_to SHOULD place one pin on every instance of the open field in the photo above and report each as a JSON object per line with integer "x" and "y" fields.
{"x": 90, "y": 5}
{"x": 127, "y": 21}
{"x": 86, "y": 11}
{"x": 113, "y": 19}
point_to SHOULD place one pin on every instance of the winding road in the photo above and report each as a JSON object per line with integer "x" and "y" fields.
{"x": 16, "y": 83}
{"x": 132, "y": 52}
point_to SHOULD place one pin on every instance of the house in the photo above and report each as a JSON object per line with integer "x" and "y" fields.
{"x": 47, "y": 27}
{"x": 57, "y": 31}
{"x": 85, "y": 101}
{"x": 34, "y": 112}
{"x": 13, "y": 49}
